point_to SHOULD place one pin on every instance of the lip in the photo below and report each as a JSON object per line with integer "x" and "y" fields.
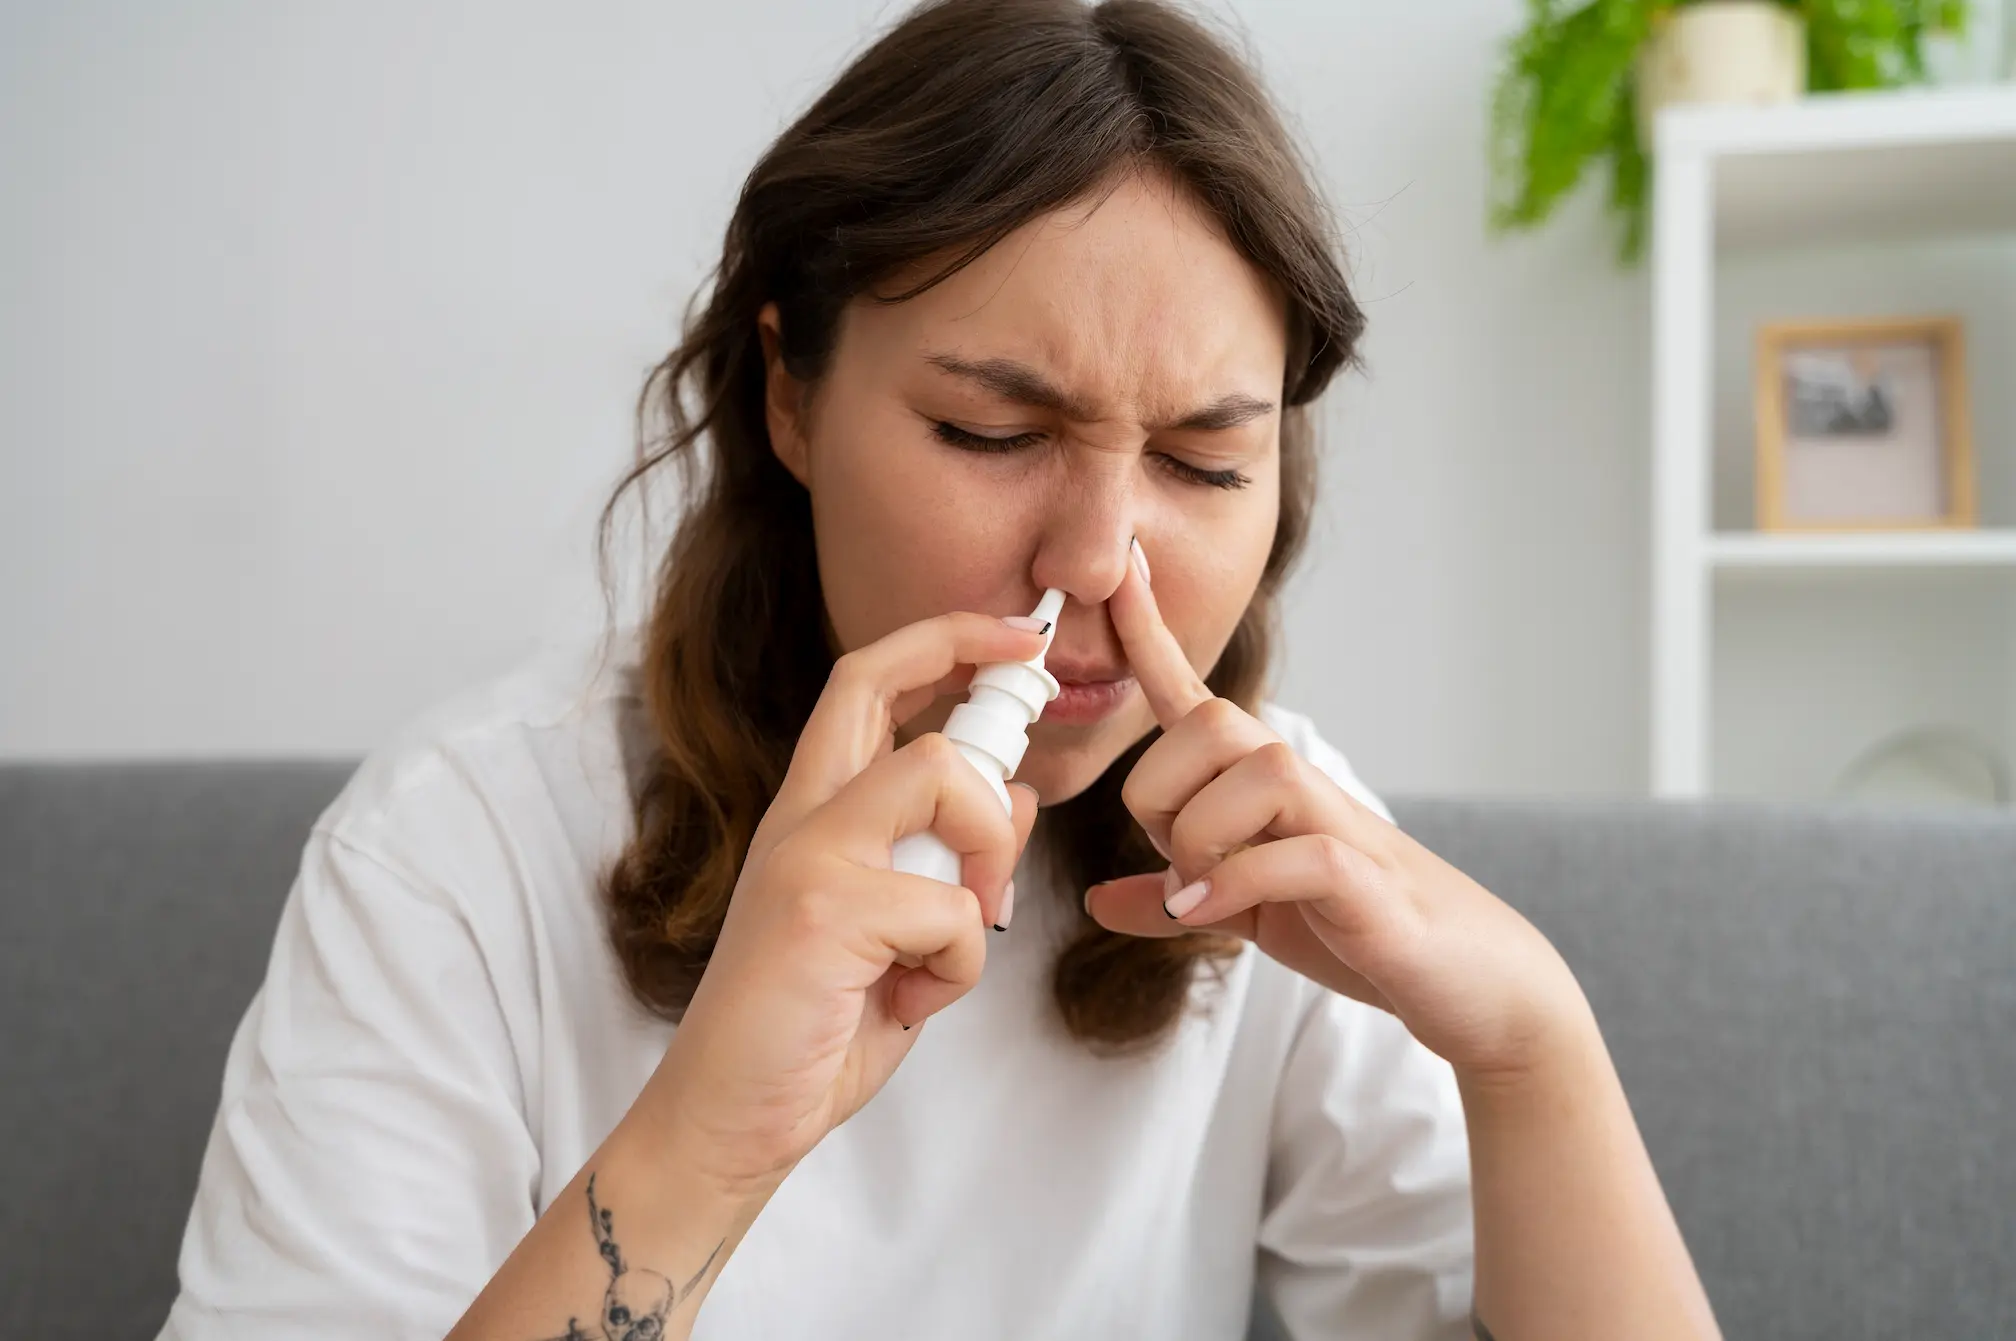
{"x": 1080, "y": 702}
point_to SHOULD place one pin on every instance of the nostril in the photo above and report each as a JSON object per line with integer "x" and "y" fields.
{"x": 1089, "y": 569}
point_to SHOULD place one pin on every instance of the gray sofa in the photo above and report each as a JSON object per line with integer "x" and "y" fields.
{"x": 1814, "y": 1011}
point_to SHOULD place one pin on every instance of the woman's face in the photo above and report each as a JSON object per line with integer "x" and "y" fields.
{"x": 1109, "y": 371}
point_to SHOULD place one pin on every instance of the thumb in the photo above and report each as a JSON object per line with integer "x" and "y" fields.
{"x": 1132, "y": 905}
{"x": 1022, "y": 803}
{"x": 1022, "y": 815}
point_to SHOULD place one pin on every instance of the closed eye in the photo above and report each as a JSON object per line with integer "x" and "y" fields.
{"x": 1195, "y": 474}
{"x": 980, "y": 442}
{"x": 967, "y": 440}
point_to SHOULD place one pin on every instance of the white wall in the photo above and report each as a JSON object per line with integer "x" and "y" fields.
{"x": 320, "y": 328}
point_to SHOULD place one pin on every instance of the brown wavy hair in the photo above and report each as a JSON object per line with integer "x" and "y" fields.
{"x": 965, "y": 121}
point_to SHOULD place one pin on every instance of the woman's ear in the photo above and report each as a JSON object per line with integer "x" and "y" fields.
{"x": 783, "y": 398}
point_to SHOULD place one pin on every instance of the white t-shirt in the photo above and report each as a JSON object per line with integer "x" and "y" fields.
{"x": 443, "y": 1038}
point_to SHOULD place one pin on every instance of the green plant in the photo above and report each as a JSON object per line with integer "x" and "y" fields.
{"x": 1567, "y": 97}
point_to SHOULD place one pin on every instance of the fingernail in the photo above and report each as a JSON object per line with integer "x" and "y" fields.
{"x": 1171, "y": 882}
{"x": 1140, "y": 559}
{"x": 1027, "y": 623}
{"x": 1180, "y": 903}
{"x": 1086, "y": 902}
{"x": 1156, "y": 843}
{"x": 1007, "y": 907}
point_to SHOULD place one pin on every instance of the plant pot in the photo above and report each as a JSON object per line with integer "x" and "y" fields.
{"x": 1720, "y": 51}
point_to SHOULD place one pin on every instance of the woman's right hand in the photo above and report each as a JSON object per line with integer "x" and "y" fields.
{"x": 827, "y": 957}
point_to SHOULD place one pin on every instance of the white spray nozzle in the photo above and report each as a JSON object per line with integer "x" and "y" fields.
{"x": 1025, "y": 681}
{"x": 1047, "y": 610}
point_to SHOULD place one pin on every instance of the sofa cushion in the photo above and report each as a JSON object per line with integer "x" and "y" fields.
{"x": 1812, "y": 1010}
{"x": 137, "y": 908}
{"x": 1814, "y": 1013}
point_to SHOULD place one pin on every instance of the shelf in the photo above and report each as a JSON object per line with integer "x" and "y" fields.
{"x": 1856, "y": 166}
{"x": 1768, "y": 625}
{"x": 1740, "y": 552}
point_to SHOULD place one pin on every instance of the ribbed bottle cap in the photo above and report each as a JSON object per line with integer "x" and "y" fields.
{"x": 1030, "y": 684}
{"x": 993, "y": 732}
{"x": 1006, "y": 697}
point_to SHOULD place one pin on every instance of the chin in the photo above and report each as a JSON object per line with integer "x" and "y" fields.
{"x": 1061, "y": 765}
{"x": 1057, "y": 777}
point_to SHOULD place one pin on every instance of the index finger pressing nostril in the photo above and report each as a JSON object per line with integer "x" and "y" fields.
{"x": 1168, "y": 680}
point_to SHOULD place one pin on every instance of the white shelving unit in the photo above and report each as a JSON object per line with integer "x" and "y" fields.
{"x": 1839, "y": 169}
{"x": 1733, "y": 553}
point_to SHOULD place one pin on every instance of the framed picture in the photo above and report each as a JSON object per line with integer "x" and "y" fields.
{"x": 1863, "y": 425}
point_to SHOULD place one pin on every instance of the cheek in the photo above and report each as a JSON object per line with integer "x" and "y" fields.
{"x": 1206, "y": 572}
{"x": 904, "y": 529}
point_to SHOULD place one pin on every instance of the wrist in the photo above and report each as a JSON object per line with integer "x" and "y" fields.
{"x": 692, "y": 1142}
{"x": 1561, "y": 1064}
{"x": 694, "y": 1217}
{"x": 672, "y": 1158}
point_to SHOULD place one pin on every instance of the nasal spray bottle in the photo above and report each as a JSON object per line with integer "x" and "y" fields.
{"x": 991, "y": 728}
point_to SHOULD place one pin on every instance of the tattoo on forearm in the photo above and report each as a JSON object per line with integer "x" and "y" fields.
{"x": 637, "y": 1301}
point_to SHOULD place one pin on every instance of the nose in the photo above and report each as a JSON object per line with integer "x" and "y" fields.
{"x": 1083, "y": 548}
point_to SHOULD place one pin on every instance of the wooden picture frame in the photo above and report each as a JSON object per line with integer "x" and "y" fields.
{"x": 1862, "y": 425}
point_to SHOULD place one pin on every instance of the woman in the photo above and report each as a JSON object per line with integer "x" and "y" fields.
{"x": 580, "y": 981}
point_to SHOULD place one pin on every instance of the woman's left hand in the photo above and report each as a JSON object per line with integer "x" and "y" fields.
{"x": 1264, "y": 845}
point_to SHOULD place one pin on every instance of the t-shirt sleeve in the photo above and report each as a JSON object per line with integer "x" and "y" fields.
{"x": 1366, "y": 1229}
{"x": 370, "y": 1164}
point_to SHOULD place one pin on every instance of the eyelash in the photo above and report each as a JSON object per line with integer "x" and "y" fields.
{"x": 1183, "y": 470}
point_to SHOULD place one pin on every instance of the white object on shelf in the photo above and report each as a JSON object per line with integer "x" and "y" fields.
{"x": 1838, "y": 167}
{"x": 1928, "y": 764}
{"x": 1746, "y": 52}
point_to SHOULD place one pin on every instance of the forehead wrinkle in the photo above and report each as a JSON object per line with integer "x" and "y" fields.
{"x": 1016, "y": 381}
{"x": 1086, "y": 337}
{"x": 1024, "y": 384}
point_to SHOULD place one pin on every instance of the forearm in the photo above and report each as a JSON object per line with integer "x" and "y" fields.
{"x": 1574, "y": 1236}
{"x": 667, "y": 1228}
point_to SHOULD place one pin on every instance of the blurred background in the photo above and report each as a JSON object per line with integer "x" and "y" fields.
{"x": 321, "y": 329}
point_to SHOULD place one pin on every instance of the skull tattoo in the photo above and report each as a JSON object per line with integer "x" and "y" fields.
{"x": 635, "y": 1305}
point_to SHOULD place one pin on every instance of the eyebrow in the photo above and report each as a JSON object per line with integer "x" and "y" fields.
{"x": 1022, "y": 384}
